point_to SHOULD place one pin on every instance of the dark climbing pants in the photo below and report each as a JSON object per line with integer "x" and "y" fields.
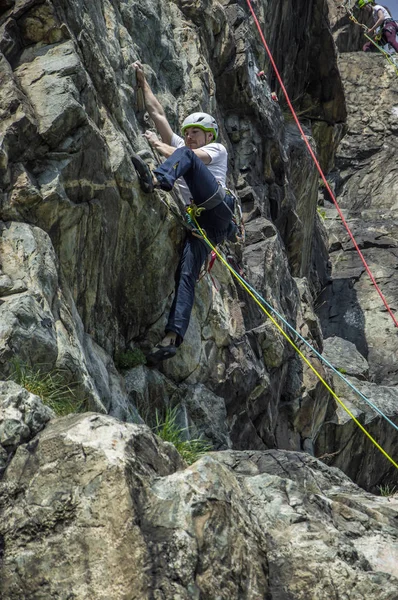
{"x": 184, "y": 163}
{"x": 202, "y": 185}
{"x": 389, "y": 33}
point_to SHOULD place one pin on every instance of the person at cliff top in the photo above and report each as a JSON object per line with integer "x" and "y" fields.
{"x": 198, "y": 164}
{"x": 383, "y": 23}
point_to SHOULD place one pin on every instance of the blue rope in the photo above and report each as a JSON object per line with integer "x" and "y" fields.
{"x": 322, "y": 358}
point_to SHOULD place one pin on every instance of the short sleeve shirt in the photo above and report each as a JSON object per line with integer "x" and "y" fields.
{"x": 218, "y": 165}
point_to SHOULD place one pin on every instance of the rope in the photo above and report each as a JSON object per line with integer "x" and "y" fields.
{"x": 194, "y": 211}
{"x": 304, "y": 137}
{"x": 327, "y": 386}
{"x": 387, "y": 56}
{"x": 322, "y": 358}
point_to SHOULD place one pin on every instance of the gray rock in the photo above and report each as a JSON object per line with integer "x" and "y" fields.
{"x": 200, "y": 413}
{"x": 349, "y": 305}
{"x": 22, "y": 416}
{"x": 41, "y": 327}
{"x": 341, "y": 443}
{"x": 344, "y": 356}
{"x": 149, "y": 392}
{"x": 207, "y": 416}
{"x": 234, "y": 524}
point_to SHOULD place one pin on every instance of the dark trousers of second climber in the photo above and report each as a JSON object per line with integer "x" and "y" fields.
{"x": 390, "y": 30}
{"x": 202, "y": 185}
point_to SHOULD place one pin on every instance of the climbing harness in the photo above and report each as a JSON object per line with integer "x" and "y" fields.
{"x": 188, "y": 223}
{"x": 374, "y": 40}
{"x": 238, "y": 237}
{"x": 326, "y": 183}
{"x": 260, "y": 302}
{"x": 193, "y": 211}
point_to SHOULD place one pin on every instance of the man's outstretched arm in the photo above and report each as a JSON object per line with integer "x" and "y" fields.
{"x": 378, "y": 23}
{"x": 153, "y": 106}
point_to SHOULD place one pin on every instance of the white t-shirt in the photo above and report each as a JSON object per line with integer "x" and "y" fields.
{"x": 218, "y": 165}
{"x": 376, "y": 9}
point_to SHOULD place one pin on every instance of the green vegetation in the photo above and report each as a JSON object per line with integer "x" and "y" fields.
{"x": 342, "y": 371}
{"x": 54, "y": 392}
{"x": 387, "y": 490}
{"x": 168, "y": 429}
{"x": 130, "y": 359}
{"x": 321, "y": 212}
{"x": 49, "y": 386}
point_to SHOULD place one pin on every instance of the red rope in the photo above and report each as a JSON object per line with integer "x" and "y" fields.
{"x": 318, "y": 165}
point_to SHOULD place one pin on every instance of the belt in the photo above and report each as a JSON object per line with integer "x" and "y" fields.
{"x": 214, "y": 200}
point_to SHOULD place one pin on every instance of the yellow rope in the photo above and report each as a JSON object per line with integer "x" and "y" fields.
{"x": 294, "y": 345}
{"x": 194, "y": 211}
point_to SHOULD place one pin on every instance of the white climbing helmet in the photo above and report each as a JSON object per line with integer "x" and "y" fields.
{"x": 203, "y": 121}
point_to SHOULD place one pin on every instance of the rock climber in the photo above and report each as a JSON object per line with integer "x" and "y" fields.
{"x": 383, "y": 24}
{"x": 198, "y": 164}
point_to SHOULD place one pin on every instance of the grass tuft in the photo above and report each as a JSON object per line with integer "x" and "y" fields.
{"x": 130, "y": 359}
{"x": 387, "y": 490}
{"x": 49, "y": 386}
{"x": 168, "y": 429}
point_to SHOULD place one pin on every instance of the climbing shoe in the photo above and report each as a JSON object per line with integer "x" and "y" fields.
{"x": 144, "y": 174}
{"x": 160, "y": 353}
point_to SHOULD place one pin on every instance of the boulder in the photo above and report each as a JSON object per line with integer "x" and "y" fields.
{"x": 344, "y": 356}
{"x": 22, "y": 415}
{"x": 234, "y": 524}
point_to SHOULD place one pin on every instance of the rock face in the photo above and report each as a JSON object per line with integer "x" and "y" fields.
{"x": 367, "y": 187}
{"x": 366, "y": 184}
{"x": 81, "y": 278}
{"x": 364, "y": 180}
{"x": 86, "y": 272}
{"x": 344, "y": 356}
{"x": 40, "y": 323}
{"x": 248, "y": 525}
{"x": 70, "y": 118}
